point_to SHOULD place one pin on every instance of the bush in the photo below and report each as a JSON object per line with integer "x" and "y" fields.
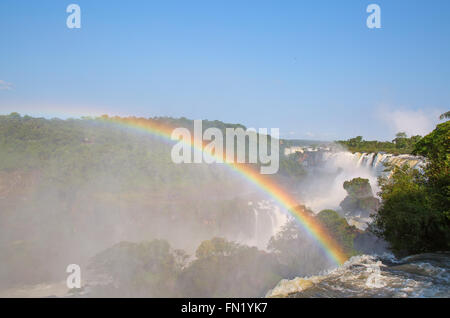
{"x": 338, "y": 227}
{"x": 415, "y": 212}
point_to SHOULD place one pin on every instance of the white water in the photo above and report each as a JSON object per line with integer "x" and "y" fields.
{"x": 324, "y": 188}
{"x": 268, "y": 220}
{"x": 424, "y": 275}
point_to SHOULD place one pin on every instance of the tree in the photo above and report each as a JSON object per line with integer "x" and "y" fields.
{"x": 353, "y": 142}
{"x": 401, "y": 144}
{"x": 436, "y": 148}
{"x": 298, "y": 254}
{"x": 228, "y": 269}
{"x": 217, "y": 246}
{"x": 360, "y": 198}
{"x": 415, "y": 212}
{"x": 142, "y": 269}
{"x": 338, "y": 227}
{"x": 358, "y": 187}
{"x": 400, "y": 140}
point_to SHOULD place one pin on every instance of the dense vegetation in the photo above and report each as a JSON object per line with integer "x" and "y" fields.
{"x": 221, "y": 268}
{"x": 70, "y": 188}
{"x": 359, "y": 199}
{"x": 400, "y": 145}
{"x": 90, "y": 169}
{"x": 292, "y": 249}
{"x": 82, "y": 146}
{"x": 415, "y": 212}
{"x": 153, "y": 269}
{"x": 339, "y": 229}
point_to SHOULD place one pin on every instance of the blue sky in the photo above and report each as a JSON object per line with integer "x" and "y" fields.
{"x": 311, "y": 68}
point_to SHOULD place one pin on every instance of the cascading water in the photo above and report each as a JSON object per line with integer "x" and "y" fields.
{"x": 327, "y": 172}
{"x": 323, "y": 186}
{"x": 425, "y": 275}
{"x": 323, "y": 189}
{"x": 268, "y": 220}
{"x": 376, "y": 161}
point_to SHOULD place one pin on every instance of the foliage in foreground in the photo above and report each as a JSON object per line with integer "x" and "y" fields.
{"x": 415, "y": 212}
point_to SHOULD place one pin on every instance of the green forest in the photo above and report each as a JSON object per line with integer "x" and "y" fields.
{"x": 68, "y": 183}
{"x": 81, "y": 146}
{"x": 415, "y": 213}
{"x": 401, "y": 144}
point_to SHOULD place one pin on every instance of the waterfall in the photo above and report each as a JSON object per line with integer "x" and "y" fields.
{"x": 375, "y": 161}
{"x": 268, "y": 220}
{"x": 323, "y": 188}
{"x": 360, "y": 157}
{"x": 256, "y": 227}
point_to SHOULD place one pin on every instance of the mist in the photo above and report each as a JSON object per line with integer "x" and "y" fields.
{"x": 105, "y": 185}
{"x": 110, "y": 200}
{"x": 322, "y": 188}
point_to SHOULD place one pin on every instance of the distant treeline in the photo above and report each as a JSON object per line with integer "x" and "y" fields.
{"x": 82, "y": 146}
{"x": 400, "y": 145}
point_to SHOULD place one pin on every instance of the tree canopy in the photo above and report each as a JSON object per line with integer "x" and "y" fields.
{"x": 415, "y": 212}
{"x": 400, "y": 145}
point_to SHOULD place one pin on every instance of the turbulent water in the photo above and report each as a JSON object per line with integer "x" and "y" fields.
{"x": 424, "y": 275}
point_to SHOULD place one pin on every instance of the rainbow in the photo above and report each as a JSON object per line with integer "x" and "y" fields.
{"x": 274, "y": 190}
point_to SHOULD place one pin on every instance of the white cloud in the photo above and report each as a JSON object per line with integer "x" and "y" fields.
{"x": 412, "y": 122}
{"x": 5, "y": 86}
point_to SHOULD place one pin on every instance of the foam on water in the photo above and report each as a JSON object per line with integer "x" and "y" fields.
{"x": 424, "y": 275}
